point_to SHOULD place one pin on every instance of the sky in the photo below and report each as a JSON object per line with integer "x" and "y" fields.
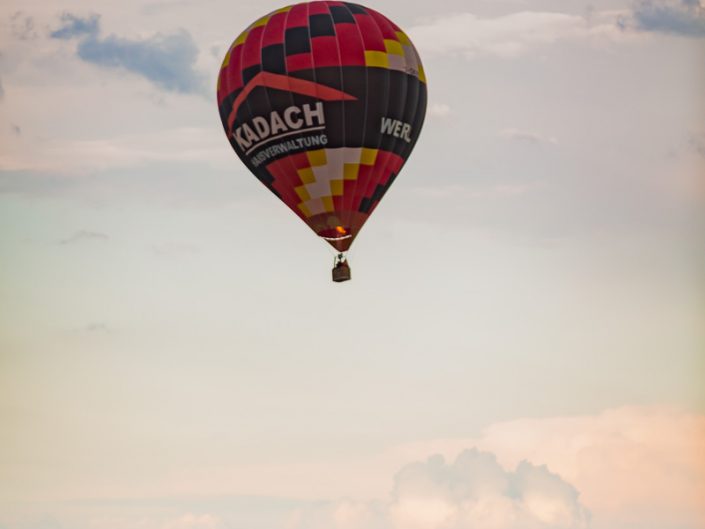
{"x": 521, "y": 346}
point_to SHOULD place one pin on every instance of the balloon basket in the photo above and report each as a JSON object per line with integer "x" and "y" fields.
{"x": 341, "y": 270}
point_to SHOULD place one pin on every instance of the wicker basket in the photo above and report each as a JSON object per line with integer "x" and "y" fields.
{"x": 341, "y": 272}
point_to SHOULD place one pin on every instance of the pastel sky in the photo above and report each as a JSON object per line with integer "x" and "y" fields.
{"x": 522, "y": 344}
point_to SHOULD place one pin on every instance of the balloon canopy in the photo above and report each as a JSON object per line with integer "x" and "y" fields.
{"x": 323, "y": 102}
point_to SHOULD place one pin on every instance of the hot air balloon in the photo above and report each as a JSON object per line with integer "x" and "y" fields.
{"x": 323, "y": 102}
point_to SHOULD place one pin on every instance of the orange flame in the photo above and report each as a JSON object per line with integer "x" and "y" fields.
{"x": 341, "y": 230}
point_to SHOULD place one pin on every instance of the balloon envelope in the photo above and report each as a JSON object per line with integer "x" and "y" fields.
{"x": 323, "y": 102}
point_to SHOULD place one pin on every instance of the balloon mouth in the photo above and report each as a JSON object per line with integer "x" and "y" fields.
{"x": 338, "y": 233}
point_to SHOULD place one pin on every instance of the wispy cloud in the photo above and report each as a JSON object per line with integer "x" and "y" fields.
{"x": 170, "y": 183}
{"x": 438, "y": 110}
{"x": 526, "y": 136}
{"x": 168, "y": 61}
{"x": 679, "y": 17}
{"x": 97, "y": 328}
{"x": 469, "y": 192}
{"x": 73, "y": 26}
{"x": 22, "y": 26}
{"x": 60, "y": 155}
{"x": 507, "y": 36}
{"x": 697, "y": 143}
{"x": 161, "y": 7}
{"x": 85, "y": 236}
{"x": 194, "y": 521}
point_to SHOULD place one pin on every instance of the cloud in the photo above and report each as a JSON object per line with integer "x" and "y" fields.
{"x": 85, "y": 236}
{"x": 472, "y": 491}
{"x": 697, "y": 143}
{"x": 97, "y": 328}
{"x": 438, "y": 110}
{"x": 171, "y": 183}
{"x": 73, "y": 26}
{"x": 62, "y": 155}
{"x": 343, "y": 514}
{"x": 166, "y": 60}
{"x": 161, "y": 7}
{"x": 635, "y": 467}
{"x": 194, "y": 521}
{"x": 22, "y": 26}
{"x": 526, "y": 136}
{"x": 677, "y": 17}
{"x": 475, "y": 491}
{"x": 506, "y": 36}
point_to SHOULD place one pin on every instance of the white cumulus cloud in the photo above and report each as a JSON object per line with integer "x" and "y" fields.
{"x": 473, "y": 491}
{"x": 635, "y": 467}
